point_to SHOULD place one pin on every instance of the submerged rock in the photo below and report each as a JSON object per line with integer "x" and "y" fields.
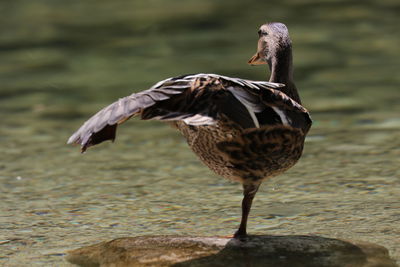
{"x": 221, "y": 251}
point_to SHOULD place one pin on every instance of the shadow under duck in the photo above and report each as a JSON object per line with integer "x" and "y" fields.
{"x": 243, "y": 130}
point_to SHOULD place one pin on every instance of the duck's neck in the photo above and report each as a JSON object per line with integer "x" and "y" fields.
{"x": 281, "y": 67}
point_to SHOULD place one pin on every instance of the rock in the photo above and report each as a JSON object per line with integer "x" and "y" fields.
{"x": 222, "y": 251}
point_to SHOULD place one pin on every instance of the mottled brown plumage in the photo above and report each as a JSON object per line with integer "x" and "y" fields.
{"x": 246, "y": 131}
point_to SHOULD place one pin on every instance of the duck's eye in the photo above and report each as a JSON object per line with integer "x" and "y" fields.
{"x": 262, "y": 33}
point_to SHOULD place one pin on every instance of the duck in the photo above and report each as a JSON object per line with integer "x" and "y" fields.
{"x": 246, "y": 131}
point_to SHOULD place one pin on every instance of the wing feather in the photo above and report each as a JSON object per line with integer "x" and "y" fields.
{"x": 95, "y": 131}
{"x": 174, "y": 99}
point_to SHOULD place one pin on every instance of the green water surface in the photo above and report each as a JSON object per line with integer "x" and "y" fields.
{"x": 61, "y": 61}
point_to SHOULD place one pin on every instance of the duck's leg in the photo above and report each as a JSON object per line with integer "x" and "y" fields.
{"x": 249, "y": 191}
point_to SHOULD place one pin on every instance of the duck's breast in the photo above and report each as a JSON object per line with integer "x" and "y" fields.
{"x": 244, "y": 154}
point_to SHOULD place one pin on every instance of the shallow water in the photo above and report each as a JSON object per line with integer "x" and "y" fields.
{"x": 62, "y": 61}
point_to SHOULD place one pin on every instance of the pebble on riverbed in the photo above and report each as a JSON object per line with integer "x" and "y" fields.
{"x": 222, "y": 251}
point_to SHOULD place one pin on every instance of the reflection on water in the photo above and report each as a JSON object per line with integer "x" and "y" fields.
{"x": 62, "y": 61}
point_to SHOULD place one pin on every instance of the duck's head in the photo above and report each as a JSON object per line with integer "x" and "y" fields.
{"x": 273, "y": 40}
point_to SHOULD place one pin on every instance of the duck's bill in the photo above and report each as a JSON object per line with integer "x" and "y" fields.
{"x": 256, "y": 60}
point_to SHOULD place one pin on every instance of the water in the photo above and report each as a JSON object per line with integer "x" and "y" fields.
{"x": 62, "y": 61}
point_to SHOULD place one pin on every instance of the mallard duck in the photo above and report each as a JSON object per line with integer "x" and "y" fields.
{"x": 246, "y": 131}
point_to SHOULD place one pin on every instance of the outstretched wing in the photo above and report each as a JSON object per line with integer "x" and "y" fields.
{"x": 178, "y": 98}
